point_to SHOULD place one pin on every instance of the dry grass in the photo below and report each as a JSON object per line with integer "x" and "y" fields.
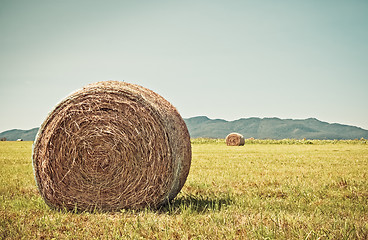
{"x": 263, "y": 190}
{"x": 109, "y": 146}
{"x": 234, "y": 139}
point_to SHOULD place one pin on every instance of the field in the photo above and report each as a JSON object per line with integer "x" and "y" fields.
{"x": 286, "y": 189}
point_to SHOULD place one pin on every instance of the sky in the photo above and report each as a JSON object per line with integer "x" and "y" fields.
{"x": 231, "y": 59}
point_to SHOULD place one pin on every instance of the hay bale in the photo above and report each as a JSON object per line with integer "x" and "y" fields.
{"x": 235, "y": 139}
{"x": 109, "y": 146}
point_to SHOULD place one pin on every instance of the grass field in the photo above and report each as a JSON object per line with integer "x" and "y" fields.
{"x": 286, "y": 189}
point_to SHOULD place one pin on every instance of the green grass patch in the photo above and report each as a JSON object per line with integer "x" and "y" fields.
{"x": 267, "y": 189}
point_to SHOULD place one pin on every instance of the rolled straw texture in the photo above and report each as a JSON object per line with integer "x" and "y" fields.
{"x": 235, "y": 139}
{"x": 109, "y": 146}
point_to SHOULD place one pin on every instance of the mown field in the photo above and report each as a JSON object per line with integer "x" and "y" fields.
{"x": 267, "y": 189}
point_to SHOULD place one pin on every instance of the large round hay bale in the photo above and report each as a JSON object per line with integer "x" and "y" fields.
{"x": 235, "y": 139}
{"x": 109, "y": 146}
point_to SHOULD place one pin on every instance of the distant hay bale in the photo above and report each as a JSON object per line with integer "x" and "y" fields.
{"x": 235, "y": 139}
{"x": 109, "y": 146}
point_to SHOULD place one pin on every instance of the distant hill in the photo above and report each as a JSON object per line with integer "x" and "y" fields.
{"x": 259, "y": 128}
{"x": 272, "y": 128}
{"x": 13, "y": 135}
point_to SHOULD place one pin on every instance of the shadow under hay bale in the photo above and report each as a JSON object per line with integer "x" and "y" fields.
{"x": 234, "y": 139}
{"x": 109, "y": 146}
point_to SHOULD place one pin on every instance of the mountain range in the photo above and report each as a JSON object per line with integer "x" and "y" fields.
{"x": 258, "y": 128}
{"x": 25, "y": 135}
{"x": 272, "y": 128}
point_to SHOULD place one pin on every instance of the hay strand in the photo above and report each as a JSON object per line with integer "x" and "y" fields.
{"x": 234, "y": 139}
{"x": 109, "y": 146}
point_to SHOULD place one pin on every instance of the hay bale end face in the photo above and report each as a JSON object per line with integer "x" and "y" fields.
{"x": 109, "y": 146}
{"x": 234, "y": 139}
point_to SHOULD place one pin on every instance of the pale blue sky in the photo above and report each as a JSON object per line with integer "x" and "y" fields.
{"x": 223, "y": 59}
